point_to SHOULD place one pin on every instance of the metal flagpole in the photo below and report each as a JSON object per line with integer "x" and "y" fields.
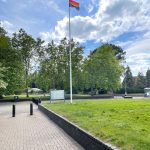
{"x": 70, "y": 58}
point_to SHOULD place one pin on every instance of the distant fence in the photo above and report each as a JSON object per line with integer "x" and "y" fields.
{"x": 75, "y": 97}
{"x": 133, "y": 95}
{"x": 103, "y": 96}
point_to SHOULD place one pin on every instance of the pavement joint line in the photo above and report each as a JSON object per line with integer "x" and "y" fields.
{"x": 37, "y": 132}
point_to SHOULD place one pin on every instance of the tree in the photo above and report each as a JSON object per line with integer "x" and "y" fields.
{"x": 29, "y": 49}
{"x": 117, "y": 50}
{"x": 148, "y": 78}
{"x": 33, "y": 79}
{"x": 54, "y": 69}
{"x": 10, "y": 59}
{"x": 102, "y": 69}
{"x": 2, "y": 31}
{"x": 128, "y": 78}
{"x": 3, "y": 84}
{"x": 140, "y": 81}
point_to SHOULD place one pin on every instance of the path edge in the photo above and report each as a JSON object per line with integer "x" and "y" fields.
{"x": 85, "y": 139}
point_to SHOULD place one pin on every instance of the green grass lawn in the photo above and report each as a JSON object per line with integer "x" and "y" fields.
{"x": 123, "y": 123}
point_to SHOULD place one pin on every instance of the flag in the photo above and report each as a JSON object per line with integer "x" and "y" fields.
{"x": 72, "y": 3}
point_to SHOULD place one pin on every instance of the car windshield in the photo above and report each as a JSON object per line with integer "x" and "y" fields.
{"x": 147, "y": 90}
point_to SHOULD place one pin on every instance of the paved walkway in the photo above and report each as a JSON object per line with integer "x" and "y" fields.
{"x": 37, "y": 132}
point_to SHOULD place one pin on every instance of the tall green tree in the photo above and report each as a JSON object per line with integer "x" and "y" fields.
{"x": 28, "y": 48}
{"x": 102, "y": 69}
{"x": 148, "y": 78}
{"x": 141, "y": 81}
{"x": 128, "y": 78}
{"x": 2, "y": 31}
{"x": 55, "y": 67}
{"x": 117, "y": 51}
{"x": 3, "y": 84}
{"x": 10, "y": 59}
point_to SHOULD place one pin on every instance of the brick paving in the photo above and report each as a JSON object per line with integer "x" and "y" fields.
{"x": 37, "y": 132}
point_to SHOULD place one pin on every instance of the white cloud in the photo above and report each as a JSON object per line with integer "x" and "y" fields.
{"x": 61, "y": 30}
{"x": 46, "y": 36}
{"x": 138, "y": 53}
{"x": 142, "y": 45}
{"x": 138, "y": 63}
{"x": 114, "y": 17}
{"x": 52, "y": 4}
{"x": 90, "y": 8}
{"x": 9, "y": 27}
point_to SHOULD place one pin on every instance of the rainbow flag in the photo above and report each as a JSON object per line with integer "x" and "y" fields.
{"x": 72, "y": 3}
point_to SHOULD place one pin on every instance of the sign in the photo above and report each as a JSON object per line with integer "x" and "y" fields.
{"x": 57, "y": 94}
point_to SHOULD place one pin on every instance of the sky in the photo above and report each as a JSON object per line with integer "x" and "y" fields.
{"x": 125, "y": 23}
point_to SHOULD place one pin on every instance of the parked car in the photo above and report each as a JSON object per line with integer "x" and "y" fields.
{"x": 146, "y": 92}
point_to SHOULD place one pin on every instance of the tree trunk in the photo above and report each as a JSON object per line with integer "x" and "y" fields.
{"x": 92, "y": 93}
{"x": 27, "y": 93}
{"x": 1, "y": 96}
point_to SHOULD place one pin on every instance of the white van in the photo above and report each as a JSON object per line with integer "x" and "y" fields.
{"x": 147, "y": 92}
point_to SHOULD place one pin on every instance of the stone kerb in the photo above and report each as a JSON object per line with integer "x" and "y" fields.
{"x": 84, "y": 138}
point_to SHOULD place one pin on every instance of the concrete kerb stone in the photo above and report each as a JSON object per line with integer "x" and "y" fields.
{"x": 85, "y": 139}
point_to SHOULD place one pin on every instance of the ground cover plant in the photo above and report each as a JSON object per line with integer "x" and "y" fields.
{"x": 123, "y": 123}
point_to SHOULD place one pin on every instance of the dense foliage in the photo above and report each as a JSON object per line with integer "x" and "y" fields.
{"x": 10, "y": 60}
{"x": 3, "y": 84}
{"x": 102, "y": 69}
{"x": 27, "y": 62}
{"x": 28, "y": 48}
{"x": 148, "y": 78}
{"x": 54, "y": 69}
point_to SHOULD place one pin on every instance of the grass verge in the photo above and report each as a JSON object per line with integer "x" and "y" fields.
{"x": 123, "y": 123}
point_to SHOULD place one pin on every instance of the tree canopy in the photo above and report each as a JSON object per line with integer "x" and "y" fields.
{"x": 28, "y": 48}
{"x": 27, "y": 62}
{"x": 128, "y": 78}
{"x": 10, "y": 59}
{"x": 102, "y": 69}
{"x": 3, "y": 84}
{"x": 54, "y": 69}
{"x": 141, "y": 80}
{"x": 148, "y": 78}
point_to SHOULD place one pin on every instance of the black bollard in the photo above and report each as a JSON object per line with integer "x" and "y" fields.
{"x": 13, "y": 111}
{"x": 31, "y": 109}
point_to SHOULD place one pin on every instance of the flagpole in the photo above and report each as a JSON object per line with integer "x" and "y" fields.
{"x": 70, "y": 58}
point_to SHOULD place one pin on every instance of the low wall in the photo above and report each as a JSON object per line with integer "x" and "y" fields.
{"x": 12, "y": 100}
{"x": 21, "y": 100}
{"x": 131, "y": 94}
{"x": 85, "y": 139}
{"x": 93, "y": 97}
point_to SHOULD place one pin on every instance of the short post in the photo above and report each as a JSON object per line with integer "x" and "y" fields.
{"x": 31, "y": 109}
{"x": 13, "y": 111}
